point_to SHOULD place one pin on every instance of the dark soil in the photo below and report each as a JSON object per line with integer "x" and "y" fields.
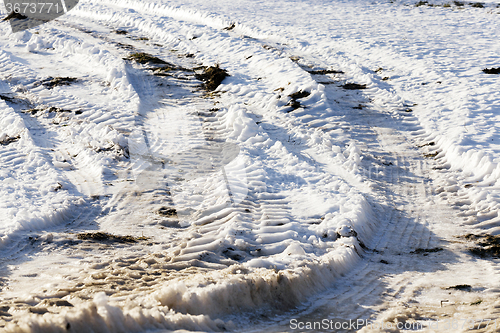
{"x": 426, "y": 251}
{"x": 294, "y": 104}
{"x": 231, "y": 27}
{"x": 212, "y": 77}
{"x": 9, "y": 140}
{"x": 49, "y": 110}
{"x": 167, "y": 211}
{"x": 299, "y": 94}
{"x": 476, "y": 5}
{"x": 15, "y": 15}
{"x": 325, "y": 71}
{"x": 144, "y": 58}
{"x": 52, "y": 82}
{"x": 487, "y": 246}
{"x": 163, "y": 71}
{"x": 7, "y": 98}
{"x": 125, "y": 46}
{"x": 121, "y": 32}
{"x": 431, "y": 155}
{"x": 492, "y": 70}
{"x": 354, "y": 86}
{"x": 462, "y": 287}
{"x": 105, "y": 237}
{"x": 3, "y": 311}
{"x": 432, "y": 143}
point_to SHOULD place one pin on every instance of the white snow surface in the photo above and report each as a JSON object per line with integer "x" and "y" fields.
{"x": 240, "y": 203}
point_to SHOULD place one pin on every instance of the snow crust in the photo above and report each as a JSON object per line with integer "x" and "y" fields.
{"x": 267, "y": 228}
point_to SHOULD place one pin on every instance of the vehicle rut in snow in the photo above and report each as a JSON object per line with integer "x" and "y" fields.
{"x": 170, "y": 205}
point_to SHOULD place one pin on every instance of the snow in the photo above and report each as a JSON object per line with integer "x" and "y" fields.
{"x": 246, "y": 199}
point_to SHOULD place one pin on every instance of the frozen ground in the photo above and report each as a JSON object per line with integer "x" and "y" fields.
{"x": 344, "y": 170}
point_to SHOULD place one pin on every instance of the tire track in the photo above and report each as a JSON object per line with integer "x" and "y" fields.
{"x": 381, "y": 288}
{"x": 205, "y": 228}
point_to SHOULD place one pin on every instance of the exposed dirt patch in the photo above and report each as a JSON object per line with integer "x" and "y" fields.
{"x": 164, "y": 70}
{"x": 105, "y": 237}
{"x": 294, "y": 104}
{"x": 144, "y": 58}
{"x": 231, "y": 27}
{"x": 492, "y": 70}
{"x": 121, "y": 32}
{"x": 4, "y": 311}
{"x": 325, "y": 71}
{"x": 52, "y": 82}
{"x": 432, "y": 143}
{"x": 51, "y": 109}
{"x": 426, "y": 251}
{"x": 431, "y": 155}
{"x": 462, "y": 287}
{"x": 8, "y": 140}
{"x": 167, "y": 211}
{"x": 233, "y": 254}
{"x": 299, "y": 94}
{"x": 487, "y": 246}
{"x": 124, "y": 46}
{"x": 354, "y": 86}
{"x": 459, "y": 4}
{"x": 7, "y": 98}
{"x": 212, "y": 77}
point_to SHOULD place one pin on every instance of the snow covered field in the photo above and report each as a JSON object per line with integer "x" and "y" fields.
{"x": 347, "y": 168}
